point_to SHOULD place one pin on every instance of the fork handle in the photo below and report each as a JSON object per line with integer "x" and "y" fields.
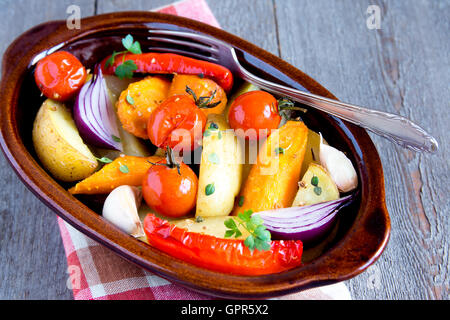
{"x": 390, "y": 126}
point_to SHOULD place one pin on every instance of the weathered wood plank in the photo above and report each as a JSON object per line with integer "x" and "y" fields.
{"x": 251, "y": 20}
{"x": 400, "y": 68}
{"x": 32, "y": 259}
{"x": 404, "y": 69}
{"x": 105, "y": 6}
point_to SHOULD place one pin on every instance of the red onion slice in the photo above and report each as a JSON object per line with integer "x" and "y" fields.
{"x": 307, "y": 223}
{"x": 94, "y": 114}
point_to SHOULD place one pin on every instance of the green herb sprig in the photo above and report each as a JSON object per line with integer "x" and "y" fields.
{"x": 104, "y": 160}
{"x": 126, "y": 69}
{"x": 259, "y": 237}
{"x": 124, "y": 168}
{"x": 203, "y": 102}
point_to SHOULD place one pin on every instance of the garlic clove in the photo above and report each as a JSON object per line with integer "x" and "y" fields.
{"x": 121, "y": 209}
{"x": 338, "y": 166}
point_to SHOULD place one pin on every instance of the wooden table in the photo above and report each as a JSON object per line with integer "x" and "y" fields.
{"x": 403, "y": 68}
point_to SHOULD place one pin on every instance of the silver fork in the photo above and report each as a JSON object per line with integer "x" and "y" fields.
{"x": 393, "y": 127}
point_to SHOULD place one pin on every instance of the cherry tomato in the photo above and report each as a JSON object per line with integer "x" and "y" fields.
{"x": 177, "y": 123}
{"x": 170, "y": 188}
{"x": 201, "y": 87}
{"x": 60, "y": 75}
{"x": 253, "y": 114}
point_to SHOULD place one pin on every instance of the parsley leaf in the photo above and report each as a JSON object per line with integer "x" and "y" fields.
{"x": 104, "y": 160}
{"x": 115, "y": 138}
{"x": 135, "y": 48}
{"x": 130, "y": 99}
{"x": 125, "y": 70}
{"x": 131, "y": 45}
{"x": 124, "y": 168}
{"x": 209, "y": 189}
{"x": 110, "y": 61}
{"x": 259, "y": 237}
{"x": 279, "y": 150}
{"x": 318, "y": 190}
{"x": 241, "y": 201}
{"x": 213, "y": 158}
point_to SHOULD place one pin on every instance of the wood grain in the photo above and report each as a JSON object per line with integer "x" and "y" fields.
{"x": 32, "y": 259}
{"x": 400, "y": 68}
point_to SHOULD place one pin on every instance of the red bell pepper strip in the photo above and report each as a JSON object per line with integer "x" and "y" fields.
{"x": 173, "y": 63}
{"x": 223, "y": 255}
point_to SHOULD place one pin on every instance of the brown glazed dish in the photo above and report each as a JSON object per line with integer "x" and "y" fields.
{"x": 363, "y": 228}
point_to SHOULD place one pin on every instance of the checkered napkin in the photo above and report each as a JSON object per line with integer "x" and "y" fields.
{"x": 97, "y": 273}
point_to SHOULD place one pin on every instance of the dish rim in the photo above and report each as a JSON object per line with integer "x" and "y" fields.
{"x": 319, "y": 272}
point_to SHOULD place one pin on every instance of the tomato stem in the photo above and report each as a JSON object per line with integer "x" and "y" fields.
{"x": 170, "y": 161}
{"x": 203, "y": 102}
{"x": 286, "y": 104}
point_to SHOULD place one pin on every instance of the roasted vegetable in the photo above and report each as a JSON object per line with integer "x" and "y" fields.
{"x": 125, "y": 170}
{"x": 60, "y": 75}
{"x": 272, "y": 181}
{"x": 312, "y": 151}
{"x": 170, "y": 187}
{"x": 220, "y": 169}
{"x": 213, "y": 226}
{"x": 223, "y": 255}
{"x": 137, "y": 102}
{"x": 58, "y": 144}
{"x": 201, "y": 90}
{"x": 168, "y": 63}
{"x": 316, "y": 186}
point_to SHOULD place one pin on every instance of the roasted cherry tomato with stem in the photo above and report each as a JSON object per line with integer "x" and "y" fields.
{"x": 254, "y": 114}
{"x": 60, "y": 75}
{"x": 208, "y": 95}
{"x": 177, "y": 123}
{"x": 170, "y": 187}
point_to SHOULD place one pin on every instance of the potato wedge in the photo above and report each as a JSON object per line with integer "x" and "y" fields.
{"x": 324, "y": 190}
{"x": 312, "y": 151}
{"x": 220, "y": 169}
{"x": 213, "y": 226}
{"x": 58, "y": 144}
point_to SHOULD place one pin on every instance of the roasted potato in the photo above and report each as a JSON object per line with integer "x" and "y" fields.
{"x": 220, "y": 169}
{"x": 58, "y": 144}
{"x": 312, "y": 151}
{"x": 213, "y": 226}
{"x": 316, "y": 186}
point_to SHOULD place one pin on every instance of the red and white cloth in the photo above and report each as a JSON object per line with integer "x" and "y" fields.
{"x": 97, "y": 273}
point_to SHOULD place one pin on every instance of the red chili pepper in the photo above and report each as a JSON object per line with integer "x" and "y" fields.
{"x": 223, "y": 255}
{"x": 173, "y": 63}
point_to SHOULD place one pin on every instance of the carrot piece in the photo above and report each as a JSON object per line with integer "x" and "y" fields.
{"x": 126, "y": 170}
{"x": 272, "y": 181}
